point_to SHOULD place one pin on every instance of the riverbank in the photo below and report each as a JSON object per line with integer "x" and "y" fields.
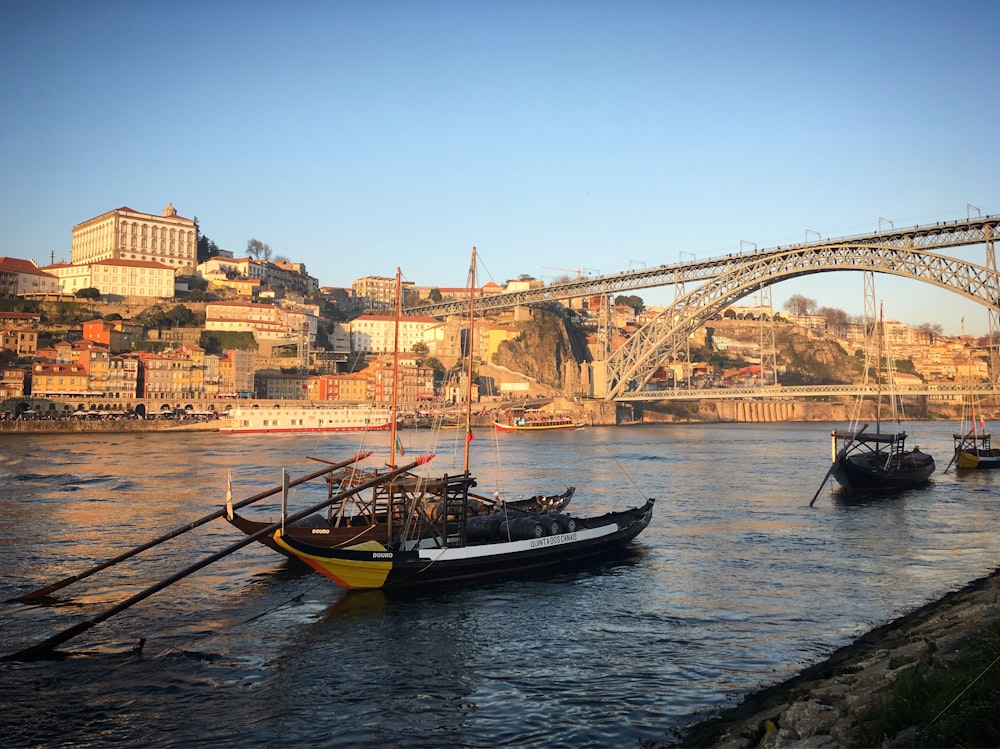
{"x": 825, "y": 704}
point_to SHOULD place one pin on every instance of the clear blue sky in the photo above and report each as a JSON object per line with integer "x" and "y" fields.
{"x": 361, "y": 136}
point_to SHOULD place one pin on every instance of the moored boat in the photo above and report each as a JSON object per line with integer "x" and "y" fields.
{"x": 360, "y": 519}
{"x": 974, "y": 451}
{"x": 877, "y": 462}
{"x": 318, "y": 418}
{"x": 867, "y": 462}
{"x": 534, "y": 420}
{"x": 974, "y": 448}
{"x": 451, "y": 558}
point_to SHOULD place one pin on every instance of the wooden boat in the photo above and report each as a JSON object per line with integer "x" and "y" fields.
{"x": 875, "y": 461}
{"x": 534, "y": 420}
{"x": 453, "y": 558}
{"x": 359, "y": 519}
{"x": 974, "y": 451}
{"x": 865, "y": 462}
{"x": 974, "y": 448}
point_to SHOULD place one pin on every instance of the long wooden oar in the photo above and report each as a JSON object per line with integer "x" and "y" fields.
{"x": 44, "y": 648}
{"x": 49, "y": 589}
{"x": 955, "y": 453}
{"x": 833, "y": 466}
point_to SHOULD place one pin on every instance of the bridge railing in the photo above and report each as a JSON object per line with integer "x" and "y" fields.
{"x": 954, "y": 391}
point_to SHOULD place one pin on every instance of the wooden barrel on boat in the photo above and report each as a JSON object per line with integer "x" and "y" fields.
{"x": 481, "y": 528}
{"x": 519, "y": 529}
{"x": 566, "y": 523}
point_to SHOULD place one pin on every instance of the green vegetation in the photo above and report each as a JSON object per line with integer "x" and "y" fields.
{"x": 177, "y": 316}
{"x": 154, "y": 347}
{"x": 67, "y": 313}
{"x": 943, "y": 705}
{"x": 630, "y": 300}
{"x": 20, "y": 305}
{"x": 219, "y": 341}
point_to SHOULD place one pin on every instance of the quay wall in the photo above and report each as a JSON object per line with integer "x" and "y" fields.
{"x": 78, "y": 426}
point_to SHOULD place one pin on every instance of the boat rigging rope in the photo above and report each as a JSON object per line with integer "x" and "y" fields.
{"x": 604, "y": 444}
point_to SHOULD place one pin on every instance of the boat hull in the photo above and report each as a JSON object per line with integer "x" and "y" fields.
{"x": 978, "y": 459}
{"x": 293, "y": 419}
{"x": 974, "y": 451}
{"x": 314, "y": 530}
{"x": 360, "y": 568}
{"x": 868, "y": 472}
{"x": 502, "y": 427}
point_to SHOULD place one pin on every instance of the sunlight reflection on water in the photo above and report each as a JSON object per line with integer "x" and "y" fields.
{"x": 737, "y": 582}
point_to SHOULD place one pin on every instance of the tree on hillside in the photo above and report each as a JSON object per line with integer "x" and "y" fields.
{"x": 258, "y": 250}
{"x": 439, "y": 369}
{"x": 630, "y": 300}
{"x": 206, "y": 247}
{"x": 435, "y": 294}
{"x": 800, "y": 305}
{"x": 88, "y": 293}
{"x": 836, "y": 320}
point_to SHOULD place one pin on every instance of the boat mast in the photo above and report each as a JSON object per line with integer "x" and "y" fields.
{"x": 395, "y": 371}
{"x": 468, "y": 391}
{"x": 878, "y": 371}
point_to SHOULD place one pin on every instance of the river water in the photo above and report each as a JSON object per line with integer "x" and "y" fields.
{"x": 736, "y": 584}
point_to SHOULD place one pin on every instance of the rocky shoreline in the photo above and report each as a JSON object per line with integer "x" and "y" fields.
{"x": 821, "y": 707}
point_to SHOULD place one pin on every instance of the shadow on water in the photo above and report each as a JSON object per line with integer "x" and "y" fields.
{"x": 861, "y": 497}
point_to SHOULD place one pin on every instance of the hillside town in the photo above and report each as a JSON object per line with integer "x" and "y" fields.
{"x": 148, "y": 308}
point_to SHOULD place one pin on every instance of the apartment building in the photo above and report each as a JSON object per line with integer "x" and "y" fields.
{"x": 24, "y": 277}
{"x": 117, "y": 335}
{"x": 184, "y": 373}
{"x": 376, "y": 334}
{"x": 49, "y": 380}
{"x": 23, "y": 341}
{"x": 267, "y": 322}
{"x": 117, "y": 279}
{"x": 379, "y": 292}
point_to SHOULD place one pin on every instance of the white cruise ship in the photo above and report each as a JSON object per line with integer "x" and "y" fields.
{"x": 317, "y": 418}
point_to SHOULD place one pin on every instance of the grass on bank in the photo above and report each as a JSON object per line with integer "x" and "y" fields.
{"x": 943, "y": 705}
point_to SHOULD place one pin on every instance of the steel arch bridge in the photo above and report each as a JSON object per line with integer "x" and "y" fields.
{"x": 903, "y": 253}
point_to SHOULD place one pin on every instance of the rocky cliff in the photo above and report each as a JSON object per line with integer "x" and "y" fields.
{"x": 548, "y": 350}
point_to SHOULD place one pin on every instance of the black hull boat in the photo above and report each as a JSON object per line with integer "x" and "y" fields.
{"x": 429, "y": 562}
{"x": 879, "y": 462}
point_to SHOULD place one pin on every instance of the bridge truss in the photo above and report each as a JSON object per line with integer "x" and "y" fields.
{"x": 903, "y": 253}
{"x": 909, "y": 253}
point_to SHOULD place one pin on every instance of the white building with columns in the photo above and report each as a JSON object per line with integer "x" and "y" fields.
{"x": 127, "y": 234}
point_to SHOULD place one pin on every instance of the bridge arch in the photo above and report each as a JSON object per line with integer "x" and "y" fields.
{"x": 631, "y": 367}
